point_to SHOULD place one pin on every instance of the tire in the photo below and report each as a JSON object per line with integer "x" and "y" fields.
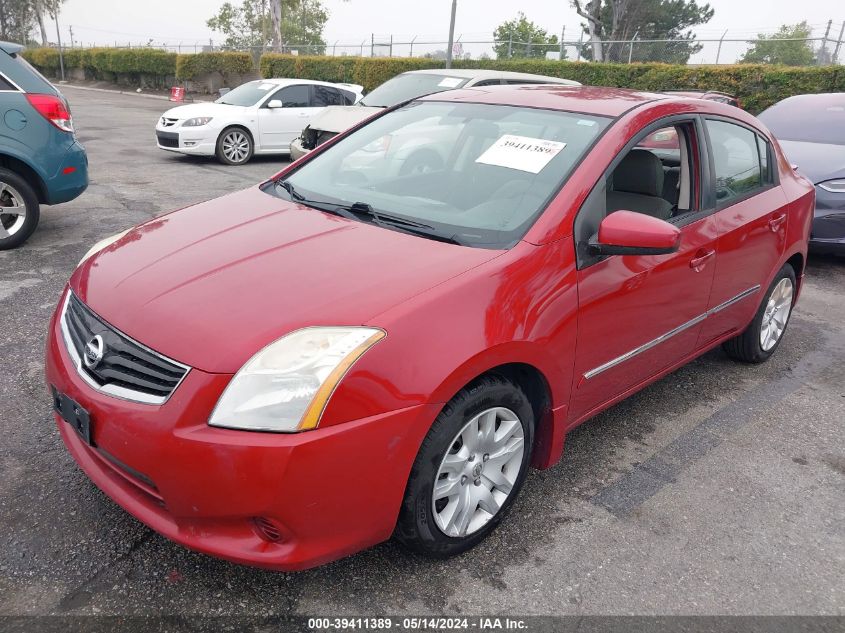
{"x": 16, "y": 193}
{"x": 434, "y": 526}
{"x": 235, "y": 146}
{"x": 763, "y": 336}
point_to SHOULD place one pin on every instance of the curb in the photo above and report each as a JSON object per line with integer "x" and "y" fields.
{"x": 124, "y": 92}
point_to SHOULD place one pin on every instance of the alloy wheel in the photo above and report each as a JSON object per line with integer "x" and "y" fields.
{"x": 12, "y": 210}
{"x": 776, "y": 314}
{"x": 236, "y": 146}
{"x": 478, "y": 472}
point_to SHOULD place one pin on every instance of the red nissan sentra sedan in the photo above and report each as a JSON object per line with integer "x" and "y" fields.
{"x": 294, "y": 372}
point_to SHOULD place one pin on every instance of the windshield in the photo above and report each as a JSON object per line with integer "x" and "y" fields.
{"x": 410, "y": 86}
{"x": 475, "y": 174}
{"x": 812, "y": 121}
{"x": 247, "y": 94}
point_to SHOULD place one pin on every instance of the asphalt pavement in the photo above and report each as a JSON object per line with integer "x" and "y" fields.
{"x": 718, "y": 490}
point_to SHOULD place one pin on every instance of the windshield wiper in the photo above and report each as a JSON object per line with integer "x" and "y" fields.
{"x": 359, "y": 210}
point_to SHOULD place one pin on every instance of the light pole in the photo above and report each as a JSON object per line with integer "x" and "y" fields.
{"x": 59, "y": 41}
{"x": 451, "y": 35}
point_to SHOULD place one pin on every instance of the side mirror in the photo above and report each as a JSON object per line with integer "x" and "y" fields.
{"x": 630, "y": 233}
{"x": 274, "y": 103}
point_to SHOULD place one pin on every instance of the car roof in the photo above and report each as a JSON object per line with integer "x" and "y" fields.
{"x": 486, "y": 73}
{"x": 820, "y": 99}
{"x": 611, "y": 102}
{"x": 284, "y": 81}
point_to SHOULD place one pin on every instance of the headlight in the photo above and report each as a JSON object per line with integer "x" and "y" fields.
{"x": 833, "y": 186}
{"x": 102, "y": 244}
{"x": 197, "y": 121}
{"x": 286, "y": 386}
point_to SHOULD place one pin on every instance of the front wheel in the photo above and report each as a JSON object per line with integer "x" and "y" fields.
{"x": 469, "y": 469}
{"x": 19, "y": 210}
{"x": 234, "y": 146}
{"x": 762, "y": 337}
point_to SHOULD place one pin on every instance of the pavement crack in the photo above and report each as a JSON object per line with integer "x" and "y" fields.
{"x": 82, "y": 594}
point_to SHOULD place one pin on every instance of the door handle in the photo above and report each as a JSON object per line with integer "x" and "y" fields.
{"x": 701, "y": 258}
{"x": 776, "y": 222}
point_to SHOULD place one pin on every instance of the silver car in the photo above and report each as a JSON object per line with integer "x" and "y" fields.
{"x": 416, "y": 83}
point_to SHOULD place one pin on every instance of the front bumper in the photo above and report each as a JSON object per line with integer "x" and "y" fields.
{"x": 828, "y": 234}
{"x": 329, "y": 492}
{"x": 296, "y": 149}
{"x": 194, "y": 143}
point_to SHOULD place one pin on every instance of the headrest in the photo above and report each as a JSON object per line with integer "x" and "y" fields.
{"x": 639, "y": 172}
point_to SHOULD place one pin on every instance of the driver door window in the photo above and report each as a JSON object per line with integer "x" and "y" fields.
{"x": 279, "y": 126}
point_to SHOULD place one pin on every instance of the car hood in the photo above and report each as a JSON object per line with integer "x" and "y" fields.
{"x": 817, "y": 161}
{"x": 203, "y": 109}
{"x": 212, "y": 284}
{"x": 340, "y": 118}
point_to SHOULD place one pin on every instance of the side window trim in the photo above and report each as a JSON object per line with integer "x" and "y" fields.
{"x": 775, "y": 180}
{"x": 13, "y": 87}
{"x": 703, "y": 176}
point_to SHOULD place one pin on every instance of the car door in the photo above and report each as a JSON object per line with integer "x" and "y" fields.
{"x": 277, "y": 127}
{"x": 751, "y": 219}
{"x": 638, "y": 315}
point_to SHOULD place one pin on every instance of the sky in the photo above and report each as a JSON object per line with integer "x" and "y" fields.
{"x": 352, "y": 22}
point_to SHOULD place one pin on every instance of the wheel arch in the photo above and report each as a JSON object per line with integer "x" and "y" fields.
{"x": 548, "y": 433}
{"x": 28, "y": 173}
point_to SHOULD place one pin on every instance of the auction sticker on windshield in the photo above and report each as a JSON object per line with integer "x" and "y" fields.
{"x": 450, "y": 82}
{"x": 521, "y": 152}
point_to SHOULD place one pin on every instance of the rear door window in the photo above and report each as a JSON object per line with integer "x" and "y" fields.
{"x": 736, "y": 161}
{"x": 327, "y": 96}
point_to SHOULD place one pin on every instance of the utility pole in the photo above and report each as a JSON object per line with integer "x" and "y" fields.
{"x": 823, "y": 49}
{"x": 562, "y": 35}
{"x": 451, "y": 34}
{"x": 70, "y": 28}
{"x": 838, "y": 43}
{"x": 631, "y": 49}
{"x": 510, "y": 44}
{"x": 719, "y": 50}
{"x": 59, "y": 41}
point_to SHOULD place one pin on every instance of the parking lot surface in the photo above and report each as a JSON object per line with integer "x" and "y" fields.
{"x": 718, "y": 490}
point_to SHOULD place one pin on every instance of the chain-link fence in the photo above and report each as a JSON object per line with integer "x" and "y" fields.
{"x": 828, "y": 48}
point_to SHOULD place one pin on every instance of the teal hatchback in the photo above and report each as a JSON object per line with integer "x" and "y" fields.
{"x": 41, "y": 162}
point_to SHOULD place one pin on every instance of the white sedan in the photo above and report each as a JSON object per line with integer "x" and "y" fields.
{"x": 259, "y": 117}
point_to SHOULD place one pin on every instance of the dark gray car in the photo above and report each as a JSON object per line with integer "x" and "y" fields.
{"x": 811, "y": 130}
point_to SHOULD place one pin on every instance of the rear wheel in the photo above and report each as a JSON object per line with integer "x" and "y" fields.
{"x": 762, "y": 337}
{"x": 234, "y": 146}
{"x": 469, "y": 469}
{"x": 19, "y": 211}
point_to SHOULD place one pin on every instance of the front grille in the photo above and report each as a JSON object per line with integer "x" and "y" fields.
{"x": 166, "y": 122}
{"x": 125, "y": 368}
{"x": 168, "y": 139}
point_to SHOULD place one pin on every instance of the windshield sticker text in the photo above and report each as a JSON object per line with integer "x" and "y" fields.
{"x": 521, "y": 152}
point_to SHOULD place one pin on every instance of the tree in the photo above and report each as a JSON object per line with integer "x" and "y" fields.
{"x": 261, "y": 23}
{"x": 612, "y": 24}
{"x": 16, "y": 20}
{"x": 789, "y": 46}
{"x": 522, "y": 38}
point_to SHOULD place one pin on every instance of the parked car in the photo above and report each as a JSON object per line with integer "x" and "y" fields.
{"x": 403, "y": 87}
{"x": 258, "y": 117}
{"x": 811, "y": 130}
{"x": 41, "y": 162}
{"x": 295, "y": 372}
{"x": 710, "y": 95}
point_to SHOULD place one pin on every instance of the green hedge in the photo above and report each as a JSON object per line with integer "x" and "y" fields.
{"x": 99, "y": 61}
{"x": 757, "y": 85}
{"x": 196, "y": 65}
